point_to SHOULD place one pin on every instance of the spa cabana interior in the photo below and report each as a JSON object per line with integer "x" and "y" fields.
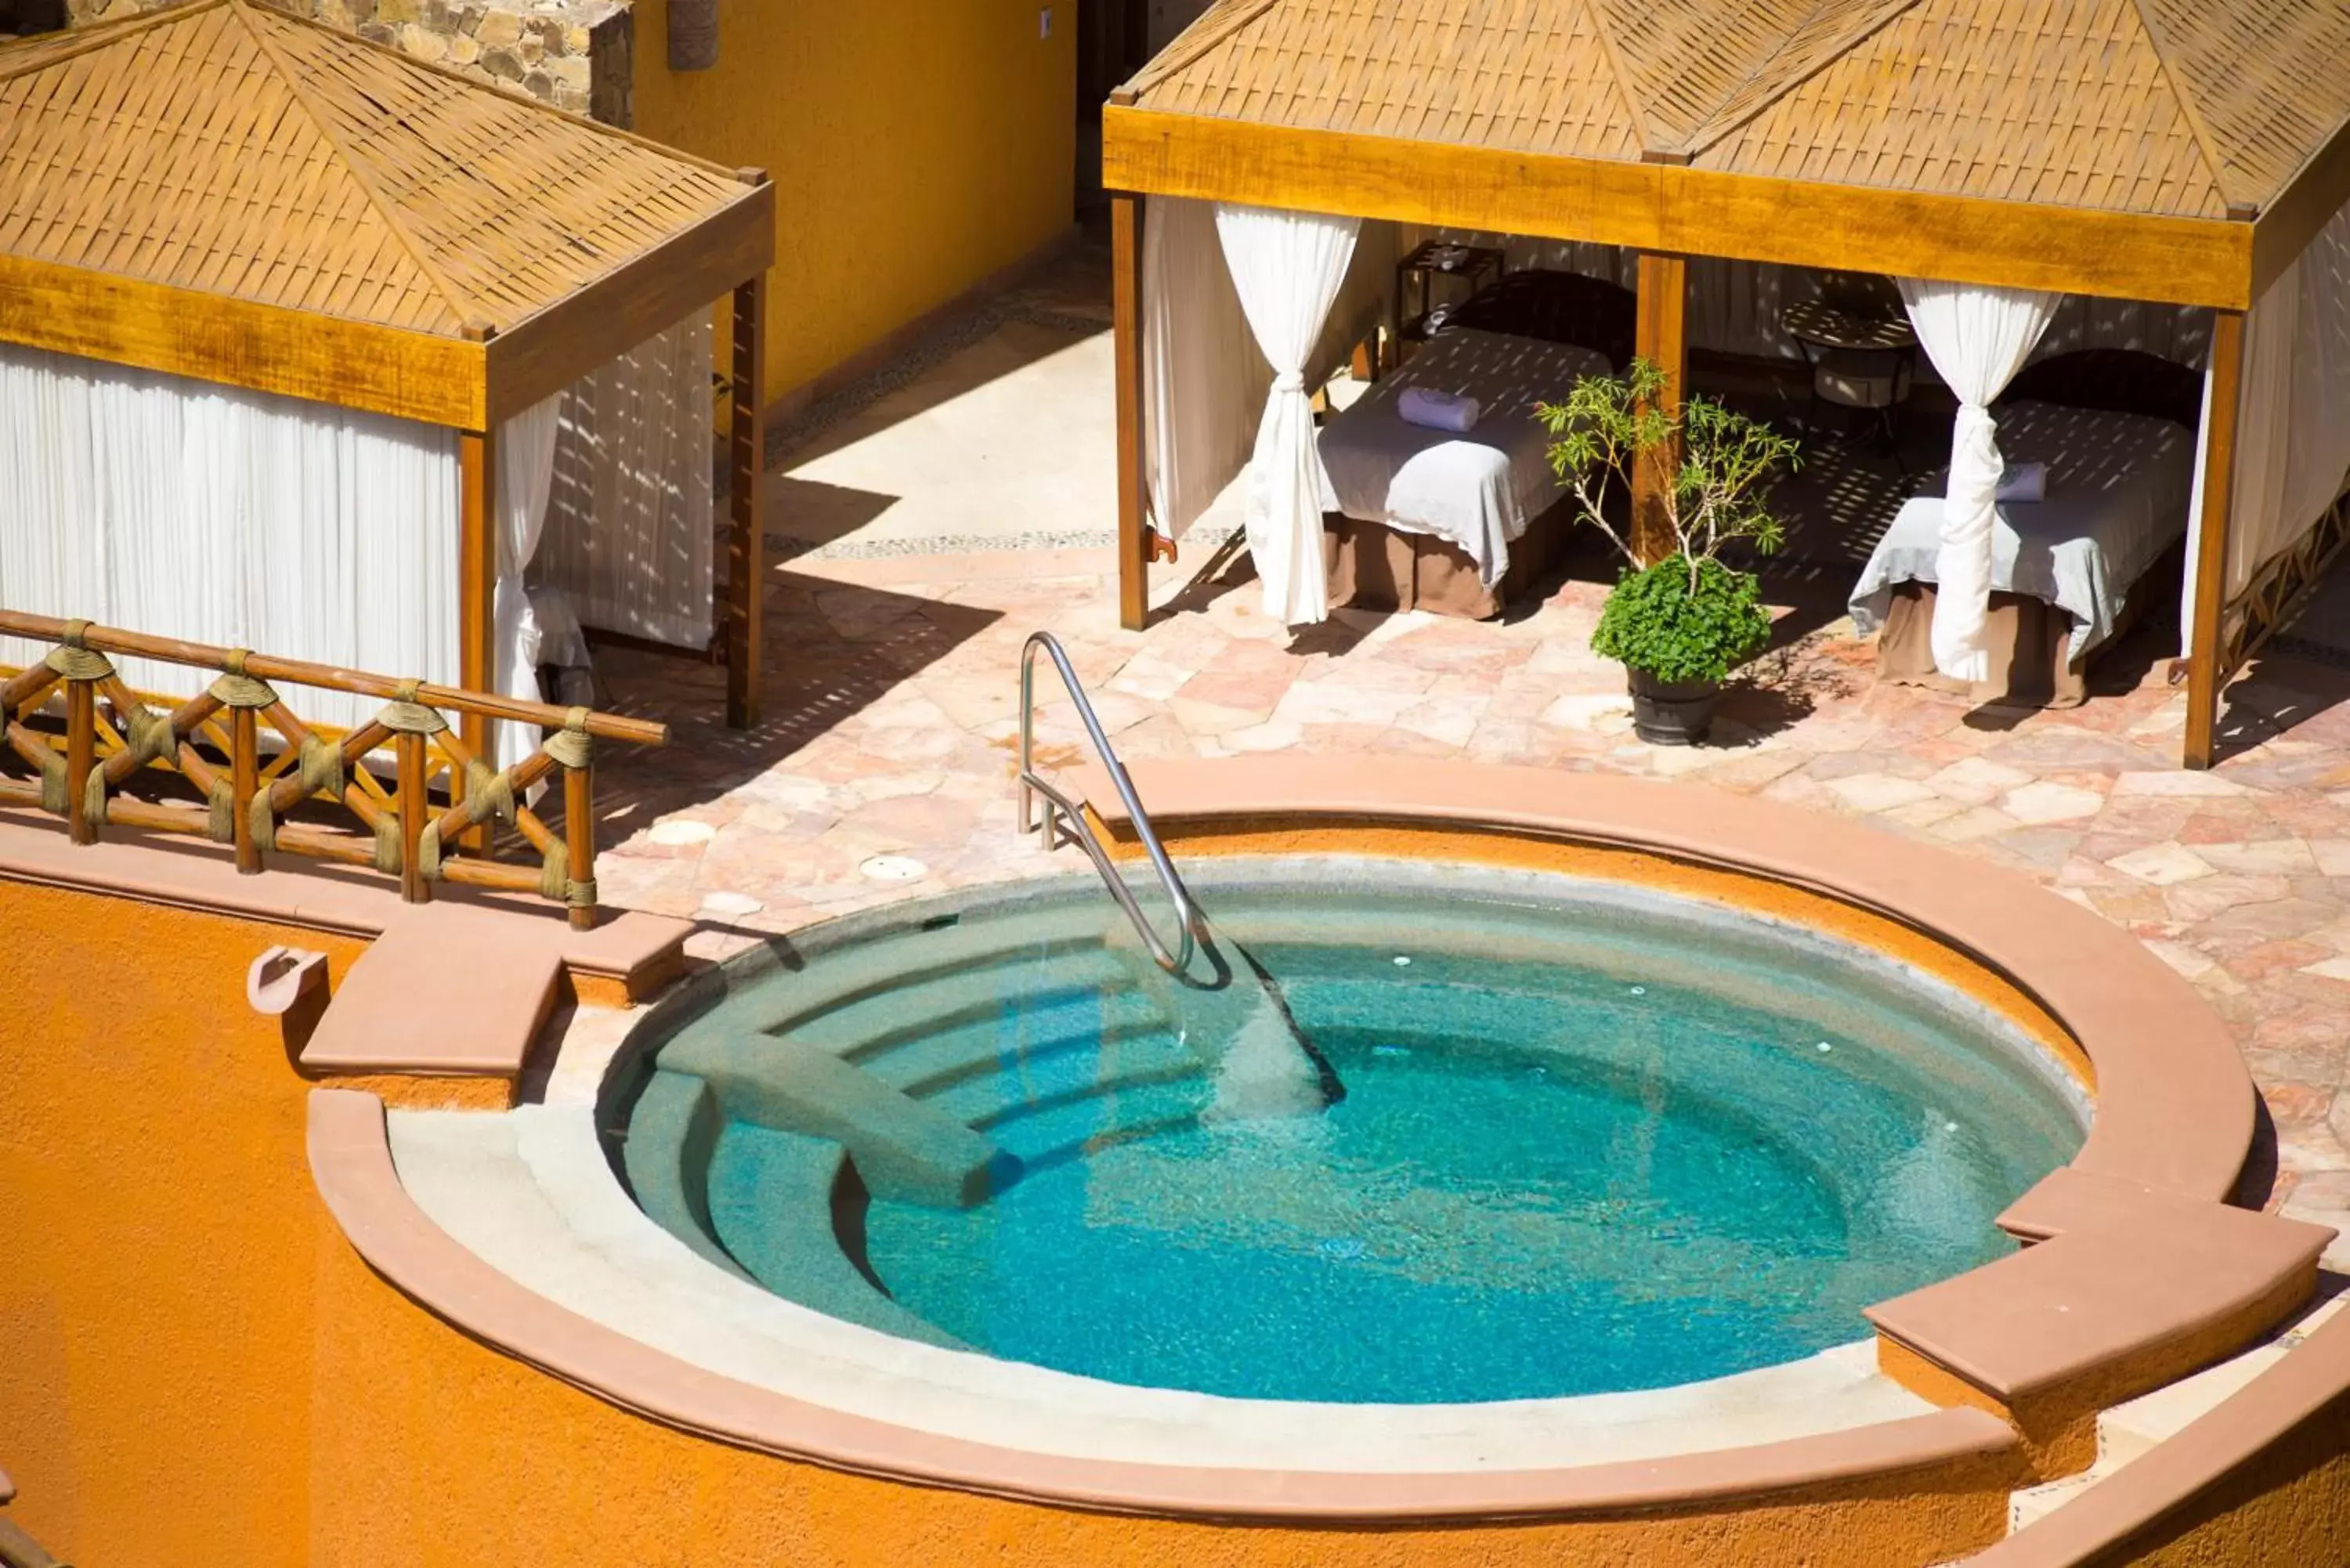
{"x": 2144, "y": 179}
{"x": 309, "y": 348}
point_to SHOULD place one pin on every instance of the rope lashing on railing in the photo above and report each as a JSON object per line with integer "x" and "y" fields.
{"x": 571, "y": 746}
{"x": 404, "y": 715}
{"x": 319, "y": 766}
{"x": 489, "y": 797}
{"x": 152, "y": 738}
{"x": 54, "y": 784}
{"x": 77, "y": 662}
{"x": 387, "y": 842}
{"x": 236, "y": 688}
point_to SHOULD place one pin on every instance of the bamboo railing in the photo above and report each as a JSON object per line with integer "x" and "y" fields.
{"x": 213, "y": 741}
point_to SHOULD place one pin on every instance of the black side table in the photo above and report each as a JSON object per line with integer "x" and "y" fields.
{"x": 1475, "y": 265}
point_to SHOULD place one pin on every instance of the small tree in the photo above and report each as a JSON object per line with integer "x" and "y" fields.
{"x": 1686, "y": 617}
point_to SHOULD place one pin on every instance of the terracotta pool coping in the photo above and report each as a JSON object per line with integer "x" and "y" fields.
{"x": 2176, "y": 1105}
{"x": 2174, "y": 1124}
{"x": 351, "y": 1163}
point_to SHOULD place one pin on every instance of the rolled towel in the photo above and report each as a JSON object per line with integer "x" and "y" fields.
{"x": 2023, "y": 482}
{"x": 1435, "y": 410}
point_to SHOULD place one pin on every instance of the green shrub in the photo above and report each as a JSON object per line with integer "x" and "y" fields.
{"x": 1688, "y": 617}
{"x": 1681, "y": 622}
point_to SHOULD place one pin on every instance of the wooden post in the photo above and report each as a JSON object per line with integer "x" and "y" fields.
{"x": 81, "y": 750}
{"x": 746, "y": 552}
{"x": 244, "y": 780}
{"x": 579, "y": 836}
{"x": 477, "y": 577}
{"x": 1659, "y": 338}
{"x": 2204, "y": 675}
{"x": 1126, "y": 328}
{"x": 408, "y": 750}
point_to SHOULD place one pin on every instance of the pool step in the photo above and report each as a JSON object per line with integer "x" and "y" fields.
{"x": 1045, "y": 1131}
{"x": 846, "y": 1023}
{"x": 904, "y": 1147}
{"x": 2129, "y": 1432}
{"x": 920, "y": 1055}
{"x": 888, "y": 966}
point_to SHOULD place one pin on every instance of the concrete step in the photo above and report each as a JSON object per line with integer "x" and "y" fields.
{"x": 2130, "y": 1431}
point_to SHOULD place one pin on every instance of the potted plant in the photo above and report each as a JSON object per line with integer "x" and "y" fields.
{"x": 1678, "y": 625}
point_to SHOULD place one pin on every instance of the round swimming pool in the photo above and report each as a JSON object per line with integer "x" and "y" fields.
{"x": 1572, "y": 1136}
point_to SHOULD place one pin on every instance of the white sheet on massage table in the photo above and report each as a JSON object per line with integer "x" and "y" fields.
{"x": 1478, "y": 490}
{"x": 2118, "y": 488}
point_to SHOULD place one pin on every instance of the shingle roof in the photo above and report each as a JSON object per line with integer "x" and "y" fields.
{"x": 2172, "y": 108}
{"x": 222, "y": 146}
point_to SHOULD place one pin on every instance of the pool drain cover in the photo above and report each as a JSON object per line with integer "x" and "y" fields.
{"x": 894, "y": 869}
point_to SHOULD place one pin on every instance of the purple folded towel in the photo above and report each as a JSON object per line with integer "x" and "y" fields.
{"x": 1436, "y": 410}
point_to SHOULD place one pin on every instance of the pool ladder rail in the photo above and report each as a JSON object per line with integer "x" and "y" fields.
{"x": 1065, "y": 819}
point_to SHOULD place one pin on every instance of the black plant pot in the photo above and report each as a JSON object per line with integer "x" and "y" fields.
{"x": 1671, "y": 713}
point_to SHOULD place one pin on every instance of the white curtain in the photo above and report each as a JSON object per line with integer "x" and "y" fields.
{"x": 1288, "y": 268}
{"x": 525, "y": 471}
{"x": 2292, "y": 415}
{"x": 1203, "y": 376}
{"x": 1201, "y": 370}
{"x": 238, "y": 518}
{"x": 1977, "y": 338}
{"x": 629, "y": 534}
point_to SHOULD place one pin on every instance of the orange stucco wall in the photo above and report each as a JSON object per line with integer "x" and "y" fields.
{"x": 196, "y": 1368}
{"x": 158, "y": 1235}
{"x": 917, "y": 147}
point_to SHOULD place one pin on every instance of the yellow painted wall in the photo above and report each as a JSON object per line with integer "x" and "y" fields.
{"x": 917, "y": 146}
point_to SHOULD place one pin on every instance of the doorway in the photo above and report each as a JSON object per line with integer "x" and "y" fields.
{"x": 1113, "y": 43}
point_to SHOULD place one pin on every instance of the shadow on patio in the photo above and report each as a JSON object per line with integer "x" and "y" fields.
{"x": 832, "y": 649}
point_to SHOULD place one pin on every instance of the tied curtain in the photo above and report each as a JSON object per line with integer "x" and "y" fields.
{"x": 1203, "y": 375}
{"x": 525, "y": 471}
{"x": 1977, "y": 338}
{"x": 243, "y": 519}
{"x": 1287, "y": 269}
{"x": 2293, "y": 418}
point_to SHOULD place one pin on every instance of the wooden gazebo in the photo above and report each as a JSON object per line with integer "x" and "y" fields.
{"x": 2184, "y": 152}
{"x": 222, "y": 192}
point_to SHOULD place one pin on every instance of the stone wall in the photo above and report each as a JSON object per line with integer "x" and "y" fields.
{"x": 573, "y": 54}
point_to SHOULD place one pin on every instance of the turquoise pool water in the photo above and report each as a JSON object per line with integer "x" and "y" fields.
{"x": 1590, "y": 1139}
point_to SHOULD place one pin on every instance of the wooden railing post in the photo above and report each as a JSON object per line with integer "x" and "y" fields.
{"x": 244, "y": 780}
{"x": 81, "y": 751}
{"x": 579, "y": 840}
{"x": 408, "y": 751}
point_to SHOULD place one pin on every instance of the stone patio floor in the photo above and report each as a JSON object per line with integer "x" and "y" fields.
{"x": 892, "y": 682}
{"x": 891, "y": 733}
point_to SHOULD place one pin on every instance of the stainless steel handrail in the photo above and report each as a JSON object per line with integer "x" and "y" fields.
{"x": 1187, "y": 915}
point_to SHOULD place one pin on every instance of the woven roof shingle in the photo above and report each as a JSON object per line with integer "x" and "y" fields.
{"x": 2174, "y": 107}
{"x": 228, "y": 148}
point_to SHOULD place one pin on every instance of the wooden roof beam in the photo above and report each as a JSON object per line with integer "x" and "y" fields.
{"x": 547, "y": 351}
{"x": 265, "y": 347}
{"x": 1681, "y": 210}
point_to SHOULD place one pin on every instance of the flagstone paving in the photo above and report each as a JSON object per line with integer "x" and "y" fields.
{"x": 890, "y": 734}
